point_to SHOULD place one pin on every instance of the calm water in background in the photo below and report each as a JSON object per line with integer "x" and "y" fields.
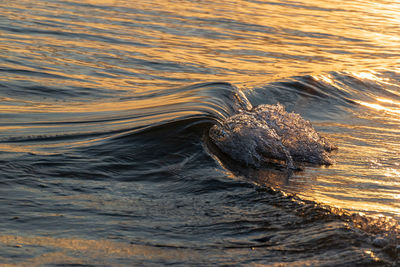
{"x": 104, "y": 117}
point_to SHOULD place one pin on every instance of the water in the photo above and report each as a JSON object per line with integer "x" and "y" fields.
{"x": 105, "y": 150}
{"x": 269, "y": 134}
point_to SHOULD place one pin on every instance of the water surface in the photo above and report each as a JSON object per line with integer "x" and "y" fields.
{"x": 104, "y": 118}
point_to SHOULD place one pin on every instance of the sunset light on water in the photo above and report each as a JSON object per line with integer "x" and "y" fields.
{"x": 107, "y": 154}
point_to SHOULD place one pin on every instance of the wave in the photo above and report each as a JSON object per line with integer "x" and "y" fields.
{"x": 122, "y": 116}
{"x": 268, "y": 132}
{"x": 160, "y": 141}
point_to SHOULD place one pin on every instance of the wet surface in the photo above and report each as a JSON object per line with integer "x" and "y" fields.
{"x": 106, "y": 108}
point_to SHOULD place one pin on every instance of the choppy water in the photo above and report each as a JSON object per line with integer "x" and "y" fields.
{"x": 105, "y": 113}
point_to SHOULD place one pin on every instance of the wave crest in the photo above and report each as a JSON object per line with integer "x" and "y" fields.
{"x": 268, "y": 133}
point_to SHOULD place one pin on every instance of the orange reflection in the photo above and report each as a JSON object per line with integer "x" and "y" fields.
{"x": 379, "y": 107}
{"x": 148, "y": 45}
{"x": 268, "y": 41}
{"x": 385, "y": 100}
{"x": 94, "y": 251}
{"x": 363, "y": 178}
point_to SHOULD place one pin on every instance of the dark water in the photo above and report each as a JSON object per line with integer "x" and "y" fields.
{"x": 105, "y": 112}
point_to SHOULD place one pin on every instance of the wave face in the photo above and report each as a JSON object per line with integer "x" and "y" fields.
{"x": 269, "y": 132}
{"x": 142, "y": 133}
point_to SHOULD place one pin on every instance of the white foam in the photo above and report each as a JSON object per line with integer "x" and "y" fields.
{"x": 266, "y": 133}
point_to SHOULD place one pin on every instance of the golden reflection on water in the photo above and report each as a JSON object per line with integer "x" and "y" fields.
{"x": 265, "y": 43}
{"x": 81, "y": 251}
{"x": 390, "y": 101}
{"x": 366, "y": 175}
{"x": 379, "y": 107}
{"x": 289, "y": 40}
{"x": 105, "y": 106}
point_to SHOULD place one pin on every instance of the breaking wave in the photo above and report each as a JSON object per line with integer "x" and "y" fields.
{"x": 267, "y": 133}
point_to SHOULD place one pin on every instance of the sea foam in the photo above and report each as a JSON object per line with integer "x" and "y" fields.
{"x": 267, "y": 133}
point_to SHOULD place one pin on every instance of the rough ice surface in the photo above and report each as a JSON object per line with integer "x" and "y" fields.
{"x": 268, "y": 133}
